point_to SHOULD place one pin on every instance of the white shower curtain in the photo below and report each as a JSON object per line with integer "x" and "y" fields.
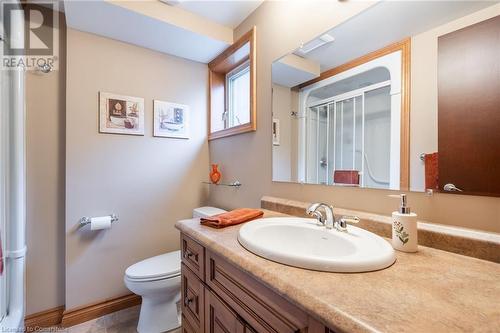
{"x": 12, "y": 192}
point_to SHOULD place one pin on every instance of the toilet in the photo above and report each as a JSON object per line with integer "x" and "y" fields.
{"x": 158, "y": 281}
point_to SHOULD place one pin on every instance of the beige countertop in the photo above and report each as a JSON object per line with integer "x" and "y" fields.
{"x": 429, "y": 291}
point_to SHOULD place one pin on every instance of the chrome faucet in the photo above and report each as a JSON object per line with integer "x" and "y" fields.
{"x": 329, "y": 222}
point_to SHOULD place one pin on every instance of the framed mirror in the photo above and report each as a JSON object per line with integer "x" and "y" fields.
{"x": 232, "y": 89}
{"x": 358, "y": 105}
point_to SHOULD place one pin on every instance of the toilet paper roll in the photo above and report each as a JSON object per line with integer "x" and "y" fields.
{"x": 101, "y": 222}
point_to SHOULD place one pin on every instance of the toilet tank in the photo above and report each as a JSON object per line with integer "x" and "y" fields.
{"x": 207, "y": 211}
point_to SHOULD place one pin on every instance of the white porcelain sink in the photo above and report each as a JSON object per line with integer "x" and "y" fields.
{"x": 303, "y": 243}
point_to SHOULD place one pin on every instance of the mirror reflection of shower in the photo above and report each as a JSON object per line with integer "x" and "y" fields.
{"x": 350, "y": 132}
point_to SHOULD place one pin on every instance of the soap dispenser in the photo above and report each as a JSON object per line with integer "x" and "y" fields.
{"x": 404, "y": 228}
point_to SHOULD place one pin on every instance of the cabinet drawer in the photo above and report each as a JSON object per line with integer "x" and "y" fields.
{"x": 259, "y": 306}
{"x": 193, "y": 255}
{"x": 220, "y": 317}
{"x": 193, "y": 300}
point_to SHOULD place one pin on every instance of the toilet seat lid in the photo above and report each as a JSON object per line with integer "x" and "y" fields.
{"x": 162, "y": 266}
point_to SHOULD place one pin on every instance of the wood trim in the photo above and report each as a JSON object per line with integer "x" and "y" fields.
{"x": 232, "y": 131}
{"x": 404, "y": 165}
{"x": 358, "y": 61}
{"x": 47, "y": 318}
{"x": 249, "y": 37}
{"x": 405, "y": 47}
{"x": 82, "y": 314}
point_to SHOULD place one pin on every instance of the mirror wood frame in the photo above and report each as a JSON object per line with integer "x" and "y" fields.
{"x": 217, "y": 69}
{"x": 405, "y": 47}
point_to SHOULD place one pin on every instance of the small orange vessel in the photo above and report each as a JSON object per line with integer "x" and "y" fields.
{"x": 215, "y": 174}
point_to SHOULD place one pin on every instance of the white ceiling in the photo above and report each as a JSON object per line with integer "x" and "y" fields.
{"x": 111, "y": 20}
{"x": 385, "y": 23}
{"x": 228, "y": 13}
{"x": 196, "y": 30}
{"x": 289, "y": 76}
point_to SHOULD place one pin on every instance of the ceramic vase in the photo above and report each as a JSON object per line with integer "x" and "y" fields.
{"x": 215, "y": 174}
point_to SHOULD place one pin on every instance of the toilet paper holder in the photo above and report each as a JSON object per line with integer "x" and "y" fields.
{"x": 86, "y": 220}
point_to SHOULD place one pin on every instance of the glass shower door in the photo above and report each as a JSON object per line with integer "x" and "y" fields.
{"x": 322, "y": 144}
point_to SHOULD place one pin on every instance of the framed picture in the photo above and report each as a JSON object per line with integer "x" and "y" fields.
{"x": 276, "y": 132}
{"x": 120, "y": 114}
{"x": 171, "y": 120}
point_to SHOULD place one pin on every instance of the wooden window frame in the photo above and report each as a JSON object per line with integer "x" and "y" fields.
{"x": 217, "y": 70}
{"x": 405, "y": 47}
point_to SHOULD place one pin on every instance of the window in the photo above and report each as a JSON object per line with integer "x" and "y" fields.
{"x": 232, "y": 89}
{"x": 238, "y": 96}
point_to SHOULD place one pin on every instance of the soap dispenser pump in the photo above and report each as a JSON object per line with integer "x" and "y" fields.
{"x": 404, "y": 227}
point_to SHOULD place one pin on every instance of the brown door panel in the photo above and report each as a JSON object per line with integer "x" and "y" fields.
{"x": 469, "y": 108}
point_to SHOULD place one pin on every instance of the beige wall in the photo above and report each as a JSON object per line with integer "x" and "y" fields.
{"x": 285, "y": 154}
{"x": 282, "y": 153}
{"x": 282, "y": 26}
{"x": 149, "y": 182}
{"x": 424, "y": 98}
{"x": 45, "y": 128}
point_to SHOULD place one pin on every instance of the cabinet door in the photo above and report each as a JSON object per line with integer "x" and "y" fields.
{"x": 186, "y": 326}
{"x": 219, "y": 317}
{"x": 193, "y": 293}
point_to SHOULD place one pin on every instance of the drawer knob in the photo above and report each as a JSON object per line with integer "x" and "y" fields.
{"x": 188, "y": 254}
{"x": 188, "y": 301}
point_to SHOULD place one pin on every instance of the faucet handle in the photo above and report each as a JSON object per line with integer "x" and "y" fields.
{"x": 318, "y": 216}
{"x": 345, "y": 220}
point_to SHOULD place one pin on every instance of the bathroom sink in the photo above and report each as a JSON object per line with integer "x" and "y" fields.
{"x": 302, "y": 242}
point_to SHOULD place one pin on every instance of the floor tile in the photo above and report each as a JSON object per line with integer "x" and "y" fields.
{"x": 124, "y": 321}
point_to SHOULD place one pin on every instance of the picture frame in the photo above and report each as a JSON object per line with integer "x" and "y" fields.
{"x": 171, "y": 120}
{"x": 120, "y": 114}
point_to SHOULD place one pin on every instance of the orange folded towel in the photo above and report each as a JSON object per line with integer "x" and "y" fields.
{"x": 233, "y": 217}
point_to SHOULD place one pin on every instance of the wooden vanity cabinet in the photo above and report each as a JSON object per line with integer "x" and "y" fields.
{"x": 218, "y": 297}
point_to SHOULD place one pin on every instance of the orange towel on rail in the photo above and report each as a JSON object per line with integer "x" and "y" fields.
{"x": 431, "y": 171}
{"x": 346, "y": 177}
{"x": 233, "y": 217}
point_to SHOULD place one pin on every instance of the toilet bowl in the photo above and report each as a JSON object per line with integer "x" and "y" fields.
{"x": 158, "y": 281}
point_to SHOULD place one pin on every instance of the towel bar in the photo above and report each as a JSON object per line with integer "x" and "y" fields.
{"x": 232, "y": 184}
